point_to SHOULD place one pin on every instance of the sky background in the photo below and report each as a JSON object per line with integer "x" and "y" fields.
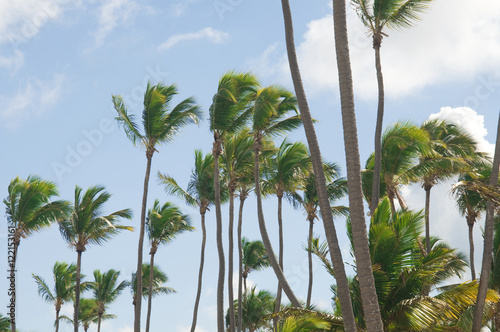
{"x": 61, "y": 60}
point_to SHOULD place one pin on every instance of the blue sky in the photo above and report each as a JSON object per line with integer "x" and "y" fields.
{"x": 62, "y": 60}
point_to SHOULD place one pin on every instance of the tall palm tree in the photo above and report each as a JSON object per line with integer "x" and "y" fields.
{"x": 106, "y": 290}
{"x": 353, "y": 165}
{"x": 308, "y": 201}
{"x": 227, "y": 115}
{"x": 375, "y": 16}
{"x": 200, "y": 193}
{"x": 86, "y": 225}
{"x": 257, "y": 307}
{"x": 29, "y": 210}
{"x": 164, "y": 223}
{"x": 159, "y": 278}
{"x": 236, "y": 159}
{"x": 270, "y": 118}
{"x": 161, "y": 123}
{"x": 64, "y": 287}
{"x": 255, "y": 258}
{"x": 282, "y": 176}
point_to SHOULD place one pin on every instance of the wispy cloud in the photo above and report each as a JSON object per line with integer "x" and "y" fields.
{"x": 210, "y": 34}
{"x": 33, "y": 100}
{"x": 180, "y": 7}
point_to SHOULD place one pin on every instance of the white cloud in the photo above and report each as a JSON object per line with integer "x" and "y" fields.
{"x": 472, "y": 122}
{"x": 33, "y": 100}
{"x": 180, "y": 7}
{"x": 210, "y": 34}
{"x": 14, "y": 62}
{"x": 444, "y": 46}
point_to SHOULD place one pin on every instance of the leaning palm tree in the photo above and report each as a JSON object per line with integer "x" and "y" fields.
{"x": 308, "y": 201}
{"x": 106, "y": 290}
{"x": 64, "y": 287}
{"x": 86, "y": 225}
{"x": 227, "y": 115}
{"x": 29, "y": 210}
{"x": 254, "y": 257}
{"x": 375, "y": 16}
{"x": 161, "y": 123}
{"x": 164, "y": 223}
{"x": 200, "y": 193}
{"x": 270, "y": 118}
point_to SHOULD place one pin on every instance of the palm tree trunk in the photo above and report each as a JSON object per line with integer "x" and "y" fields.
{"x": 245, "y": 282}
{"x": 150, "y": 290}
{"x": 360, "y": 238}
{"x": 138, "y": 296}
{"x": 488, "y": 243}
{"x": 309, "y": 258}
{"x": 13, "y": 271}
{"x": 401, "y": 200}
{"x": 99, "y": 323}
{"x": 378, "y": 127}
{"x": 240, "y": 262}
{"x": 331, "y": 235}
{"x": 230, "y": 263}
{"x": 263, "y": 231}
{"x": 57, "y": 320}
{"x": 77, "y": 289}
{"x": 277, "y": 305}
{"x": 200, "y": 273}
{"x": 471, "y": 250}
{"x": 427, "y": 225}
{"x": 220, "y": 283}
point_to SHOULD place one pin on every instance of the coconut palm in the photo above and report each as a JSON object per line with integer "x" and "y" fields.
{"x": 164, "y": 223}
{"x": 270, "y": 118}
{"x": 29, "y": 210}
{"x": 4, "y": 324}
{"x": 86, "y": 225}
{"x": 64, "y": 286}
{"x": 200, "y": 193}
{"x": 227, "y": 115}
{"x": 88, "y": 314}
{"x": 255, "y": 258}
{"x": 256, "y": 310}
{"x": 161, "y": 123}
{"x": 353, "y": 168}
{"x": 375, "y": 16}
{"x": 159, "y": 278}
{"x": 308, "y": 201}
{"x": 106, "y": 290}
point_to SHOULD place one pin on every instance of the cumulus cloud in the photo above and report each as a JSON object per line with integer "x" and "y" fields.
{"x": 33, "y": 100}
{"x": 444, "y": 46}
{"x": 210, "y": 34}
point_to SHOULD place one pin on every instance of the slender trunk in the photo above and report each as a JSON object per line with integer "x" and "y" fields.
{"x": 378, "y": 127}
{"x": 263, "y": 231}
{"x": 150, "y": 288}
{"x": 488, "y": 243}
{"x": 243, "y": 196}
{"x": 427, "y": 224}
{"x": 220, "y": 283}
{"x": 470, "y": 224}
{"x": 331, "y": 235}
{"x": 277, "y": 305}
{"x": 309, "y": 258}
{"x": 77, "y": 289}
{"x": 200, "y": 273}
{"x": 401, "y": 200}
{"x": 12, "y": 266}
{"x": 369, "y": 298}
{"x": 138, "y": 296}
{"x": 391, "y": 197}
{"x": 57, "y": 320}
{"x": 245, "y": 283}
{"x": 230, "y": 263}
{"x": 99, "y": 323}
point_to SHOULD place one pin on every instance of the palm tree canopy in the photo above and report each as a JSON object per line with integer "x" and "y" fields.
{"x": 159, "y": 278}
{"x": 165, "y": 222}
{"x": 254, "y": 255}
{"x": 256, "y": 307}
{"x": 105, "y": 287}
{"x": 161, "y": 122}
{"x": 237, "y": 157}
{"x": 28, "y": 205}
{"x": 64, "y": 275}
{"x": 86, "y": 224}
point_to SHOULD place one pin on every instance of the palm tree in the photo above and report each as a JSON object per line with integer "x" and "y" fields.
{"x": 308, "y": 201}
{"x": 106, "y": 290}
{"x": 375, "y": 16}
{"x": 89, "y": 313}
{"x": 256, "y": 309}
{"x": 227, "y": 115}
{"x": 494, "y": 282}
{"x": 29, "y": 210}
{"x": 200, "y": 193}
{"x": 161, "y": 123}
{"x": 64, "y": 287}
{"x": 86, "y": 225}
{"x": 4, "y": 324}
{"x": 159, "y": 278}
{"x": 282, "y": 176}
{"x": 164, "y": 223}
{"x": 271, "y": 106}
{"x": 353, "y": 166}
{"x": 254, "y": 258}
{"x": 453, "y": 149}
